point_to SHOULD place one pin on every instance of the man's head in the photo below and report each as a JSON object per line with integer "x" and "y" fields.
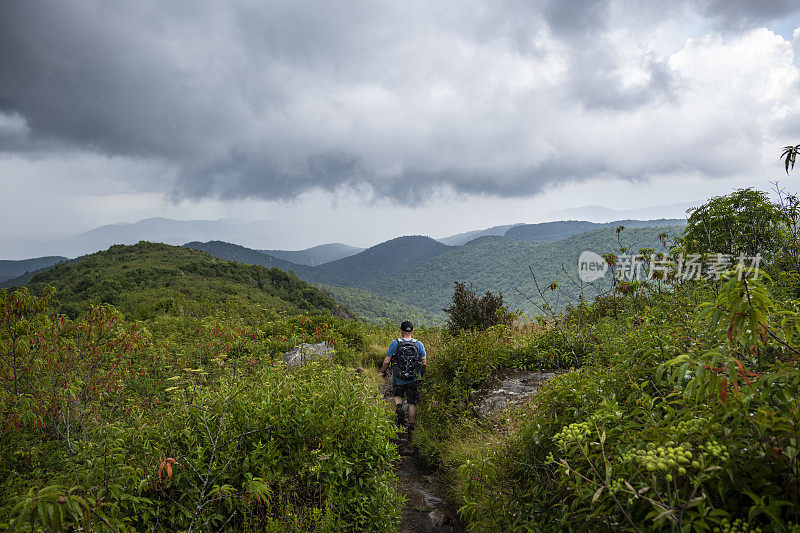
{"x": 406, "y": 327}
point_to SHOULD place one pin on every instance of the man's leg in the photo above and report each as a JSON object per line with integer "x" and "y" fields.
{"x": 413, "y": 398}
{"x": 400, "y": 416}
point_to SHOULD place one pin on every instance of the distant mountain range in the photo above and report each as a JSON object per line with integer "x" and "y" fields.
{"x": 463, "y": 238}
{"x": 162, "y": 230}
{"x": 598, "y": 213}
{"x": 416, "y": 273}
{"x": 317, "y": 255}
{"x": 555, "y": 231}
{"x": 13, "y": 269}
{"x": 378, "y": 262}
{"x": 419, "y": 272}
{"x": 257, "y": 235}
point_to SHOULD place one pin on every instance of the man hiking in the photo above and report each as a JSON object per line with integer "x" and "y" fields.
{"x": 409, "y": 362}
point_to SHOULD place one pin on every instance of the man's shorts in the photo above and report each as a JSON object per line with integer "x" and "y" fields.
{"x": 409, "y": 390}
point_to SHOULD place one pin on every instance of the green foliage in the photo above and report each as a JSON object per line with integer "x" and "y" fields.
{"x": 681, "y": 419}
{"x": 377, "y": 309}
{"x": 187, "y": 423}
{"x": 743, "y": 222}
{"x": 789, "y": 156}
{"x": 147, "y": 279}
{"x": 458, "y": 366}
{"x": 467, "y": 311}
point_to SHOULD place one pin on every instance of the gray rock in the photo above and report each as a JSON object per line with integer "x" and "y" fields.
{"x": 507, "y": 389}
{"x": 437, "y": 518}
{"x": 307, "y": 352}
{"x": 431, "y": 501}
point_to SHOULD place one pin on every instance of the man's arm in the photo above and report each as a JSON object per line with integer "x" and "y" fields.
{"x": 388, "y": 359}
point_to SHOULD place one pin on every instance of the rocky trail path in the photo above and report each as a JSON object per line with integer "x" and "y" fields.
{"x": 426, "y": 509}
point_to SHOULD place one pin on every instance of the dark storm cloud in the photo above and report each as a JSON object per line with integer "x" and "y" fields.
{"x": 269, "y": 100}
{"x": 739, "y": 14}
{"x": 242, "y": 175}
{"x": 578, "y": 17}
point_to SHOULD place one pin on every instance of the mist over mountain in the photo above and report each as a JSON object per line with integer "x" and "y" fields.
{"x": 463, "y": 238}
{"x": 316, "y": 255}
{"x": 597, "y": 213}
{"x": 164, "y": 230}
{"x": 554, "y": 231}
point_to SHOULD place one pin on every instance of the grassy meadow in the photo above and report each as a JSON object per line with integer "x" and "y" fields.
{"x": 143, "y": 389}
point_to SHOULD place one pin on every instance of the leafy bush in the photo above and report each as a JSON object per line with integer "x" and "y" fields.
{"x": 649, "y": 438}
{"x": 467, "y": 311}
{"x": 186, "y": 423}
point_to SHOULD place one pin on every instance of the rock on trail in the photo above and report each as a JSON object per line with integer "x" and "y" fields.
{"x": 507, "y": 389}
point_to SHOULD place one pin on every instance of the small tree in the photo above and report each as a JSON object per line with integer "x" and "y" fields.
{"x": 470, "y": 312}
{"x": 743, "y": 222}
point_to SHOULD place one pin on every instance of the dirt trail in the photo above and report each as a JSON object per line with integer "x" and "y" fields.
{"x": 426, "y": 509}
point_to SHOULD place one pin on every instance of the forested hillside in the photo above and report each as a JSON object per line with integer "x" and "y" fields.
{"x": 240, "y": 254}
{"x": 418, "y": 272}
{"x": 148, "y": 279}
{"x": 385, "y": 260}
{"x": 379, "y": 309}
{"x": 675, "y": 404}
{"x": 498, "y": 264}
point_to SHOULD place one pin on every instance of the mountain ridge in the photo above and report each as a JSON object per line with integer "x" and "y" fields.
{"x": 316, "y": 255}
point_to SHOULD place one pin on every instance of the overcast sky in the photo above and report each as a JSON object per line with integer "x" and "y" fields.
{"x": 358, "y": 121}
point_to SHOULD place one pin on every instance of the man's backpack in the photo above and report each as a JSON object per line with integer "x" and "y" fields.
{"x": 406, "y": 359}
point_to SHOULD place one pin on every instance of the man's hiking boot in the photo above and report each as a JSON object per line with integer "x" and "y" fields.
{"x": 400, "y": 414}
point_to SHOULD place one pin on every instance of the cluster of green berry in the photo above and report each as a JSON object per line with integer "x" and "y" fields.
{"x": 669, "y": 458}
{"x": 688, "y": 427}
{"x": 575, "y": 433}
{"x": 714, "y": 449}
{"x": 738, "y": 526}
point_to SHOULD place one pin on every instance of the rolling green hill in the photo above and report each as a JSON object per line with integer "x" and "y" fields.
{"x": 240, "y": 254}
{"x": 416, "y": 274}
{"x": 500, "y": 264}
{"x": 387, "y": 259}
{"x": 147, "y": 279}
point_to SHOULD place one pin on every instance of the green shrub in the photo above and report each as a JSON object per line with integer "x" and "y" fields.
{"x": 467, "y": 311}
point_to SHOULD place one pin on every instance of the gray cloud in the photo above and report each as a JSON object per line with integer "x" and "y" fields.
{"x": 741, "y": 14}
{"x": 269, "y": 100}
